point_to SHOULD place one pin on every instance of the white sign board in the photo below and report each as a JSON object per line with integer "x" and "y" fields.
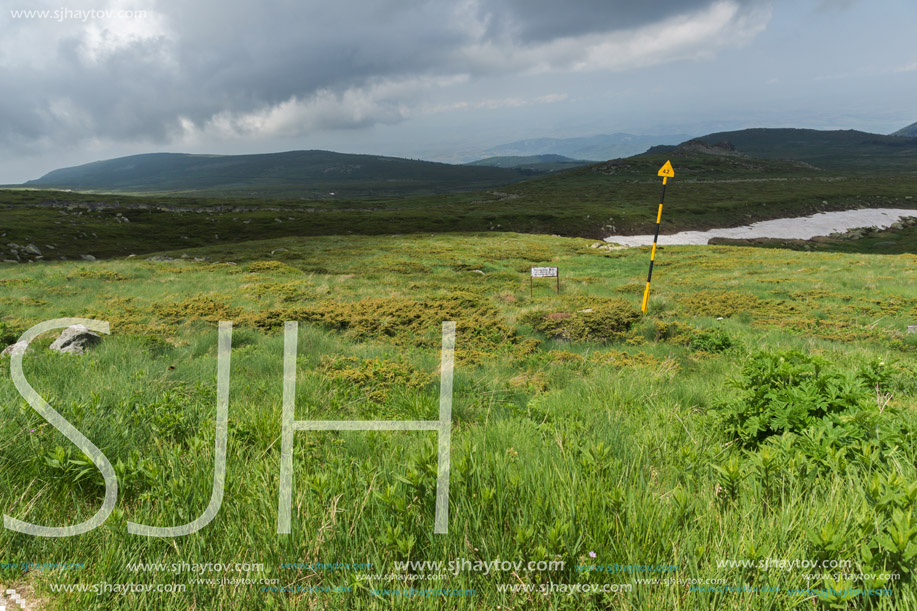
{"x": 544, "y": 272}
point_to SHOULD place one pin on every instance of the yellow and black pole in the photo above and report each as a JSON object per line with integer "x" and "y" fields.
{"x": 666, "y": 172}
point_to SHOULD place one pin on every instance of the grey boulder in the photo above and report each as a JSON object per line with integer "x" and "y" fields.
{"x": 75, "y": 340}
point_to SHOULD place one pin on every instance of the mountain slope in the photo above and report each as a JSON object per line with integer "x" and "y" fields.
{"x": 303, "y": 173}
{"x": 908, "y": 132}
{"x": 848, "y": 149}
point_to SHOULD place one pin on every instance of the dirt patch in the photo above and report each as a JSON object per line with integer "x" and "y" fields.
{"x": 22, "y": 597}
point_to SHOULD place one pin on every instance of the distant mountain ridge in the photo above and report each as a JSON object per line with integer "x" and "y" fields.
{"x": 592, "y": 148}
{"x": 533, "y": 163}
{"x": 512, "y": 161}
{"x": 319, "y": 173}
{"x": 324, "y": 174}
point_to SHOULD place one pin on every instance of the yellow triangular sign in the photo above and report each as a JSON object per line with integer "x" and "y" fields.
{"x": 666, "y": 170}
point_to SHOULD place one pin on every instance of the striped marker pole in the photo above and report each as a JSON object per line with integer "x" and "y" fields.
{"x": 666, "y": 172}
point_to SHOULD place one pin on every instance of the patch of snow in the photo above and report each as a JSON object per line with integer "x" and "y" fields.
{"x": 797, "y": 228}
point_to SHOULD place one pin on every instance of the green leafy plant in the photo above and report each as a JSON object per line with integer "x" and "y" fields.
{"x": 399, "y": 542}
{"x": 827, "y": 540}
{"x": 729, "y": 476}
{"x": 889, "y": 526}
{"x": 67, "y": 465}
{"x": 764, "y": 463}
{"x": 712, "y": 340}
{"x": 876, "y": 374}
{"x": 788, "y": 392}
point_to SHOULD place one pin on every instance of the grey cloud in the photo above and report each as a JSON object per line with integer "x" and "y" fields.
{"x": 239, "y": 57}
{"x": 544, "y": 20}
{"x": 836, "y": 5}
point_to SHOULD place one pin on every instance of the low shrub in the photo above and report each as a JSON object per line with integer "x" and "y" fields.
{"x": 673, "y": 332}
{"x": 712, "y": 340}
{"x": 720, "y": 303}
{"x": 8, "y": 335}
{"x": 204, "y": 307}
{"x": 287, "y": 292}
{"x": 374, "y": 379}
{"x": 479, "y": 326}
{"x": 96, "y": 274}
{"x": 271, "y": 267}
{"x": 608, "y": 321}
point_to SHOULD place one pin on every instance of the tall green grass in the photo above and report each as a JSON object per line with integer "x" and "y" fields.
{"x": 559, "y": 448}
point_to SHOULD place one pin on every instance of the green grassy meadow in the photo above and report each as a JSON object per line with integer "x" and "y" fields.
{"x": 763, "y": 409}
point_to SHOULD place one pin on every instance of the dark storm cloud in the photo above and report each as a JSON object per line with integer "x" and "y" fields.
{"x": 543, "y": 20}
{"x": 257, "y": 53}
{"x": 200, "y": 63}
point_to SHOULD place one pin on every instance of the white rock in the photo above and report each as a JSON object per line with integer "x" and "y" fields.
{"x": 75, "y": 340}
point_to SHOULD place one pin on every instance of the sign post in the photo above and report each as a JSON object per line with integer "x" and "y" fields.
{"x": 666, "y": 172}
{"x": 543, "y": 272}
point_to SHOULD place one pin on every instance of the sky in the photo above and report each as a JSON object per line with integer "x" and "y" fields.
{"x": 434, "y": 79}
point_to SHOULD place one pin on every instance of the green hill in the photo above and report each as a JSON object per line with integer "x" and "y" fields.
{"x": 312, "y": 174}
{"x": 716, "y": 185}
{"x": 720, "y": 188}
{"x": 848, "y": 149}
